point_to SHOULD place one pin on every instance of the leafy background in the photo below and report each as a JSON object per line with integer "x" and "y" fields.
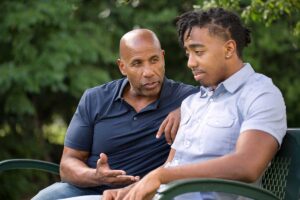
{"x": 51, "y": 51}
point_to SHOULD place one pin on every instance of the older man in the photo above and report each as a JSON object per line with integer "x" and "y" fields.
{"x": 119, "y": 121}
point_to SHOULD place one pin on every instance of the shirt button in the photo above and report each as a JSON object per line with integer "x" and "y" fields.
{"x": 134, "y": 118}
{"x": 187, "y": 143}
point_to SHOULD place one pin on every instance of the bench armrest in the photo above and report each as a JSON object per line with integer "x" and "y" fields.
{"x": 217, "y": 185}
{"x": 11, "y": 164}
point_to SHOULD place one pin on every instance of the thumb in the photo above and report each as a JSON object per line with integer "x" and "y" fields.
{"x": 103, "y": 160}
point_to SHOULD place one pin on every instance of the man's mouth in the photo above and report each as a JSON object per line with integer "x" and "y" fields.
{"x": 151, "y": 85}
{"x": 198, "y": 75}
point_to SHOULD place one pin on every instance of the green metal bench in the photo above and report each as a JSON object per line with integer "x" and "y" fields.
{"x": 12, "y": 164}
{"x": 280, "y": 181}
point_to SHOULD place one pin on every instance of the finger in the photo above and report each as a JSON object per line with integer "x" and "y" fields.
{"x": 174, "y": 129}
{"x": 103, "y": 158}
{"x": 137, "y": 178}
{"x": 114, "y": 173}
{"x": 121, "y": 194}
{"x": 102, "y": 162}
{"x": 162, "y": 128}
{"x": 168, "y": 132}
{"x": 130, "y": 195}
{"x": 120, "y": 180}
{"x": 109, "y": 195}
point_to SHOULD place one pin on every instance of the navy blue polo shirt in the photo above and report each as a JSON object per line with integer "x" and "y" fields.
{"x": 105, "y": 122}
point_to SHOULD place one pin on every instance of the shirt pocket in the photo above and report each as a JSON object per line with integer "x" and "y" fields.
{"x": 217, "y": 135}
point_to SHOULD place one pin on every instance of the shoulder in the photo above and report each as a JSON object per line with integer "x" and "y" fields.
{"x": 178, "y": 88}
{"x": 105, "y": 89}
{"x": 260, "y": 85}
{"x": 101, "y": 95}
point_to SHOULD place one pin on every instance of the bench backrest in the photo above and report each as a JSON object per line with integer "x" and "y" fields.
{"x": 283, "y": 176}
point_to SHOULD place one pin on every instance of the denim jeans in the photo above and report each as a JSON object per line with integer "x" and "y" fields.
{"x": 62, "y": 190}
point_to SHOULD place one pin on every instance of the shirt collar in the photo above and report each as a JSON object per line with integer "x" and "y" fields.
{"x": 239, "y": 78}
{"x": 164, "y": 93}
{"x": 232, "y": 83}
{"x": 120, "y": 91}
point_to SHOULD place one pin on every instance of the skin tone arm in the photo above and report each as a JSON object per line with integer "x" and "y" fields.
{"x": 254, "y": 150}
{"x": 74, "y": 170}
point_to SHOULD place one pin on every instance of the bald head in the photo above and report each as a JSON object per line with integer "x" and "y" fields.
{"x": 136, "y": 38}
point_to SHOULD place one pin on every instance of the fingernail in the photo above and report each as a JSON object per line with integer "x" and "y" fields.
{"x": 157, "y": 136}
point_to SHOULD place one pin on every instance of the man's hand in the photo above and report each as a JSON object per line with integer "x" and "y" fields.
{"x": 170, "y": 126}
{"x": 116, "y": 194}
{"x": 146, "y": 188}
{"x": 107, "y": 176}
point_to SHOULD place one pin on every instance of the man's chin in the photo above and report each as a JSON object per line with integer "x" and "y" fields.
{"x": 152, "y": 93}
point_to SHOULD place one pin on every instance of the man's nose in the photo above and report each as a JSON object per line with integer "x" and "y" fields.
{"x": 148, "y": 71}
{"x": 191, "y": 62}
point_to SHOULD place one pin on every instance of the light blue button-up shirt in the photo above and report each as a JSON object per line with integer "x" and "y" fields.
{"x": 212, "y": 121}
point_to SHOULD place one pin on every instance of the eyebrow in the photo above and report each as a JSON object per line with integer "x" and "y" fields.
{"x": 196, "y": 45}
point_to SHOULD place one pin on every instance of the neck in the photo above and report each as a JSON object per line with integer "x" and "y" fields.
{"x": 234, "y": 64}
{"x": 138, "y": 102}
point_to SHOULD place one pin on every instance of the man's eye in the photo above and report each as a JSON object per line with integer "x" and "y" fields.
{"x": 154, "y": 60}
{"x": 199, "y": 52}
{"x": 136, "y": 64}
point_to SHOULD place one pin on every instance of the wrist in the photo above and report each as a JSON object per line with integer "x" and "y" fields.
{"x": 159, "y": 175}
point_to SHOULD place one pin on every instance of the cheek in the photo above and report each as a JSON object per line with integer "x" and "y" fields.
{"x": 160, "y": 70}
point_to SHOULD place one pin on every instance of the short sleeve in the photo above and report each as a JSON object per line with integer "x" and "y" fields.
{"x": 80, "y": 132}
{"x": 266, "y": 111}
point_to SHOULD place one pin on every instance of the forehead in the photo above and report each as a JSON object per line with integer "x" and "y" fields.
{"x": 200, "y": 37}
{"x": 141, "y": 51}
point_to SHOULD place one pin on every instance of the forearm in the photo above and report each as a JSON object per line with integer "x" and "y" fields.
{"x": 228, "y": 167}
{"x": 78, "y": 173}
{"x": 254, "y": 150}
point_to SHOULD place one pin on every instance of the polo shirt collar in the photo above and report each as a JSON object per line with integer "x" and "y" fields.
{"x": 120, "y": 91}
{"x": 164, "y": 93}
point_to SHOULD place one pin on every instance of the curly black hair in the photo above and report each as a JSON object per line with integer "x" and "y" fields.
{"x": 219, "y": 22}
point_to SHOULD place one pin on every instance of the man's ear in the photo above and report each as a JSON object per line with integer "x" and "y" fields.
{"x": 121, "y": 67}
{"x": 230, "y": 48}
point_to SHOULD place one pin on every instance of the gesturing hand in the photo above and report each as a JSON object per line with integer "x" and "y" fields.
{"x": 107, "y": 176}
